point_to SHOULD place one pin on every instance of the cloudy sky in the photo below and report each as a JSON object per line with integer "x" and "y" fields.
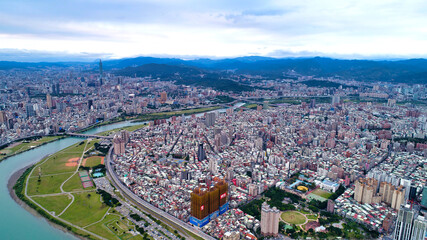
{"x": 216, "y": 28}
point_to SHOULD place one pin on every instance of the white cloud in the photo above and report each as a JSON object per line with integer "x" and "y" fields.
{"x": 218, "y": 28}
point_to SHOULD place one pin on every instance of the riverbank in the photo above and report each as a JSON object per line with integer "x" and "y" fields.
{"x": 39, "y": 145}
{"x": 12, "y": 182}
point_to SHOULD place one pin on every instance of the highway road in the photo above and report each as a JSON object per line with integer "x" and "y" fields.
{"x": 128, "y": 193}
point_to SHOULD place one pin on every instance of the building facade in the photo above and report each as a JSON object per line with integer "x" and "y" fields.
{"x": 269, "y": 220}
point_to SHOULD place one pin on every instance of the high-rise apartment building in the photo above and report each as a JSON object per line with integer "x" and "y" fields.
{"x": 208, "y": 204}
{"x": 49, "y": 101}
{"x": 213, "y": 165}
{"x": 269, "y": 220}
{"x": 410, "y": 225}
{"x": 398, "y": 197}
{"x": 210, "y": 119}
{"x": 119, "y": 145}
{"x": 331, "y": 205}
{"x": 3, "y": 118}
{"x": 30, "y": 110}
{"x": 419, "y": 229}
{"x": 163, "y": 97}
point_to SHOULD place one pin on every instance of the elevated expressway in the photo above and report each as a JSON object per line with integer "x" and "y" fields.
{"x": 158, "y": 213}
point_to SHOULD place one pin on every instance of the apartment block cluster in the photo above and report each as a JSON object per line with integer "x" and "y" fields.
{"x": 255, "y": 149}
{"x": 366, "y": 192}
{"x": 36, "y": 103}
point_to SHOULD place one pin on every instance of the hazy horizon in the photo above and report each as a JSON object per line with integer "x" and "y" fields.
{"x": 77, "y": 29}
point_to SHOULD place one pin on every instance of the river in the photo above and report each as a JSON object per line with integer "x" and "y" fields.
{"x": 16, "y": 222}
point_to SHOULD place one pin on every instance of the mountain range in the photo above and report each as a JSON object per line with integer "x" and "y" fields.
{"x": 411, "y": 71}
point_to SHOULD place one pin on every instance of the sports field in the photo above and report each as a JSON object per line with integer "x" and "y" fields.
{"x": 93, "y": 161}
{"x": 293, "y": 217}
{"x": 322, "y": 193}
{"x": 319, "y": 194}
{"x": 55, "y": 184}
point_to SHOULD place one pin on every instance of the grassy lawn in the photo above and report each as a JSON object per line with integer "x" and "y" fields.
{"x": 24, "y": 146}
{"x": 293, "y": 217}
{"x": 74, "y": 184}
{"x": 311, "y": 216}
{"x": 161, "y": 115}
{"x": 87, "y": 207}
{"x": 54, "y": 203}
{"x": 92, "y": 161}
{"x": 47, "y": 185}
{"x": 304, "y": 212}
{"x": 57, "y": 163}
{"x": 250, "y": 105}
{"x": 322, "y": 193}
{"x": 104, "y": 229}
{"x": 130, "y": 129}
{"x": 119, "y": 228}
{"x": 85, "y": 210}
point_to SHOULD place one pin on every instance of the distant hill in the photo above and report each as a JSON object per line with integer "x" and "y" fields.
{"x": 185, "y": 75}
{"x": 405, "y": 71}
{"x": 6, "y": 65}
{"x": 327, "y": 84}
{"x": 410, "y": 71}
{"x": 159, "y": 70}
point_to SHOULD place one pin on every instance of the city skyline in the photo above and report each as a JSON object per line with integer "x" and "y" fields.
{"x": 111, "y": 29}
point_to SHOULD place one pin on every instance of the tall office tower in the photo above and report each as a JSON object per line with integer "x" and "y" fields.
{"x": 58, "y": 91}
{"x": 269, "y": 220}
{"x": 412, "y": 193}
{"x": 89, "y": 104}
{"x": 331, "y": 205}
{"x": 210, "y": 119}
{"x": 404, "y": 221}
{"x": 30, "y": 110}
{"x": 163, "y": 97}
{"x": 100, "y": 73}
{"x": 3, "y": 118}
{"x": 49, "y": 101}
{"x": 424, "y": 199}
{"x": 201, "y": 154}
{"x": 336, "y": 100}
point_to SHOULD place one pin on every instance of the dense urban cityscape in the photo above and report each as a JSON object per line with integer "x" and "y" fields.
{"x": 205, "y": 120}
{"x": 284, "y": 160}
